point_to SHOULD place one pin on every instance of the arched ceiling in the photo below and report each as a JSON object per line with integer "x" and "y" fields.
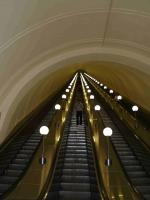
{"x": 43, "y": 42}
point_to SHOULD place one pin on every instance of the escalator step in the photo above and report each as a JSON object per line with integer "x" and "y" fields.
{"x": 141, "y": 181}
{"x": 122, "y": 148}
{"x": 130, "y": 162}
{"x": 20, "y": 161}
{"x": 78, "y": 155}
{"x": 75, "y": 166}
{"x": 125, "y": 153}
{"x": 74, "y": 195}
{"x": 34, "y": 140}
{"x": 4, "y": 187}
{"x": 74, "y": 187}
{"x": 26, "y": 147}
{"x": 127, "y": 157}
{"x": 31, "y": 144}
{"x": 146, "y": 196}
{"x": 75, "y": 151}
{"x": 133, "y": 168}
{"x": 75, "y": 147}
{"x": 144, "y": 189}
{"x": 8, "y": 179}
{"x": 77, "y": 140}
{"x": 17, "y": 166}
{"x": 75, "y": 179}
{"x": 75, "y": 143}
{"x": 11, "y": 172}
{"x": 120, "y": 145}
{"x": 135, "y": 174}
{"x": 78, "y": 172}
{"x": 26, "y": 151}
{"x": 74, "y": 160}
{"x": 21, "y": 155}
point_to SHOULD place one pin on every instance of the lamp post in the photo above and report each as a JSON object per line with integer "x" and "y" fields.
{"x": 107, "y": 132}
{"x": 119, "y": 97}
{"x": 64, "y": 96}
{"x": 89, "y": 91}
{"x": 111, "y": 91}
{"x": 97, "y": 107}
{"x": 44, "y": 130}
{"x": 135, "y": 109}
{"x": 92, "y": 96}
{"x": 57, "y": 107}
{"x": 67, "y": 90}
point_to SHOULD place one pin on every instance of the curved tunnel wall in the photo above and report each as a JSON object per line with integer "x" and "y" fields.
{"x": 42, "y": 42}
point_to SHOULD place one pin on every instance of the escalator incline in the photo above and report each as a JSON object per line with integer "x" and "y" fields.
{"x": 130, "y": 162}
{"x": 74, "y": 176}
{"x": 15, "y": 158}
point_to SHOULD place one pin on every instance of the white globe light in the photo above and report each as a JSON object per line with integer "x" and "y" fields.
{"x": 105, "y": 87}
{"x": 87, "y": 87}
{"x": 111, "y": 91}
{"x": 107, "y": 132}
{"x": 44, "y": 130}
{"x": 57, "y": 107}
{"x": 135, "y": 108}
{"x": 101, "y": 84}
{"x": 97, "y": 107}
{"x": 91, "y": 96}
{"x": 67, "y": 90}
{"x": 69, "y": 86}
{"x": 63, "y": 96}
{"x": 119, "y": 97}
{"x": 89, "y": 91}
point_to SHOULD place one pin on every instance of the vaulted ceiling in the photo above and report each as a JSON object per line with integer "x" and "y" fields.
{"x": 43, "y": 42}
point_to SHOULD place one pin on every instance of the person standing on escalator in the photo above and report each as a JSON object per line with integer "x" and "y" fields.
{"x": 79, "y": 112}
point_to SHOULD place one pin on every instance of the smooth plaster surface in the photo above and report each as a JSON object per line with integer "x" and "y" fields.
{"x": 43, "y": 42}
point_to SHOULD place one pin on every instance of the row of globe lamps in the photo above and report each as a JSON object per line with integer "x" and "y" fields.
{"x": 107, "y": 131}
{"x": 135, "y": 108}
{"x": 44, "y": 130}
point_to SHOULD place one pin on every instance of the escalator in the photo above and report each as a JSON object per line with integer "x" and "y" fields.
{"x": 131, "y": 163}
{"x": 133, "y": 156}
{"x": 16, "y": 157}
{"x": 74, "y": 176}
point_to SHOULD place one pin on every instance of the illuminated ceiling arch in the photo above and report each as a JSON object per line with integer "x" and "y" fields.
{"x": 39, "y": 38}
